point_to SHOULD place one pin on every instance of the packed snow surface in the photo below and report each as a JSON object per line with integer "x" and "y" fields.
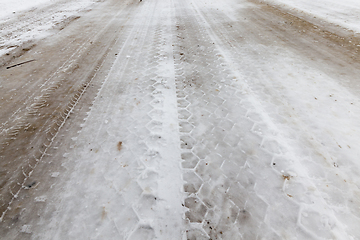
{"x": 210, "y": 124}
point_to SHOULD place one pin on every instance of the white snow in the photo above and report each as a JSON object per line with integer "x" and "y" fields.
{"x": 9, "y": 7}
{"x": 26, "y": 229}
{"x": 29, "y": 21}
{"x": 41, "y": 199}
{"x": 55, "y": 174}
{"x": 13, "y": 8}
{"x": 345, "y": 13}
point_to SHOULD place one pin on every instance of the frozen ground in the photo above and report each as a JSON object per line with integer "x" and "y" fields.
{"x": 182, "y": 119}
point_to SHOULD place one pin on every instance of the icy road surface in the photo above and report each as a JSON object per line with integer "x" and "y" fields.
{"x": 182, "y": 119}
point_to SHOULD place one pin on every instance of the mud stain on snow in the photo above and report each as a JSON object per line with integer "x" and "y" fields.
{"x": 119, "y": 146}
{"x": 103, "y": 214}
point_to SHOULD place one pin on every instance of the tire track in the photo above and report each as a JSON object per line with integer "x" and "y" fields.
{"x": 219, "y": 148}
{"x": 132, "y": 151}
{"x": 262, "y": 162}
{"x": 34, "y": 129}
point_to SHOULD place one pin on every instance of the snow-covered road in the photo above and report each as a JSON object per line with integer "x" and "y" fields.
{"x": 182, "y": 119}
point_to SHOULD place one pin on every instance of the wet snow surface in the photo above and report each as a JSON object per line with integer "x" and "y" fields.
{"x": 210, "y": 121}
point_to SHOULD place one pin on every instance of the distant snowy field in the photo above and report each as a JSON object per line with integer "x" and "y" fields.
{"x": 345, "y": 13}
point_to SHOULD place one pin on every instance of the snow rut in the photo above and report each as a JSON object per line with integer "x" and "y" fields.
{"x": 219, "y": 146}
{"x": 127, "y": 174}
{"x": 29, "y": 131}
{"x": 247, "y": 177}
